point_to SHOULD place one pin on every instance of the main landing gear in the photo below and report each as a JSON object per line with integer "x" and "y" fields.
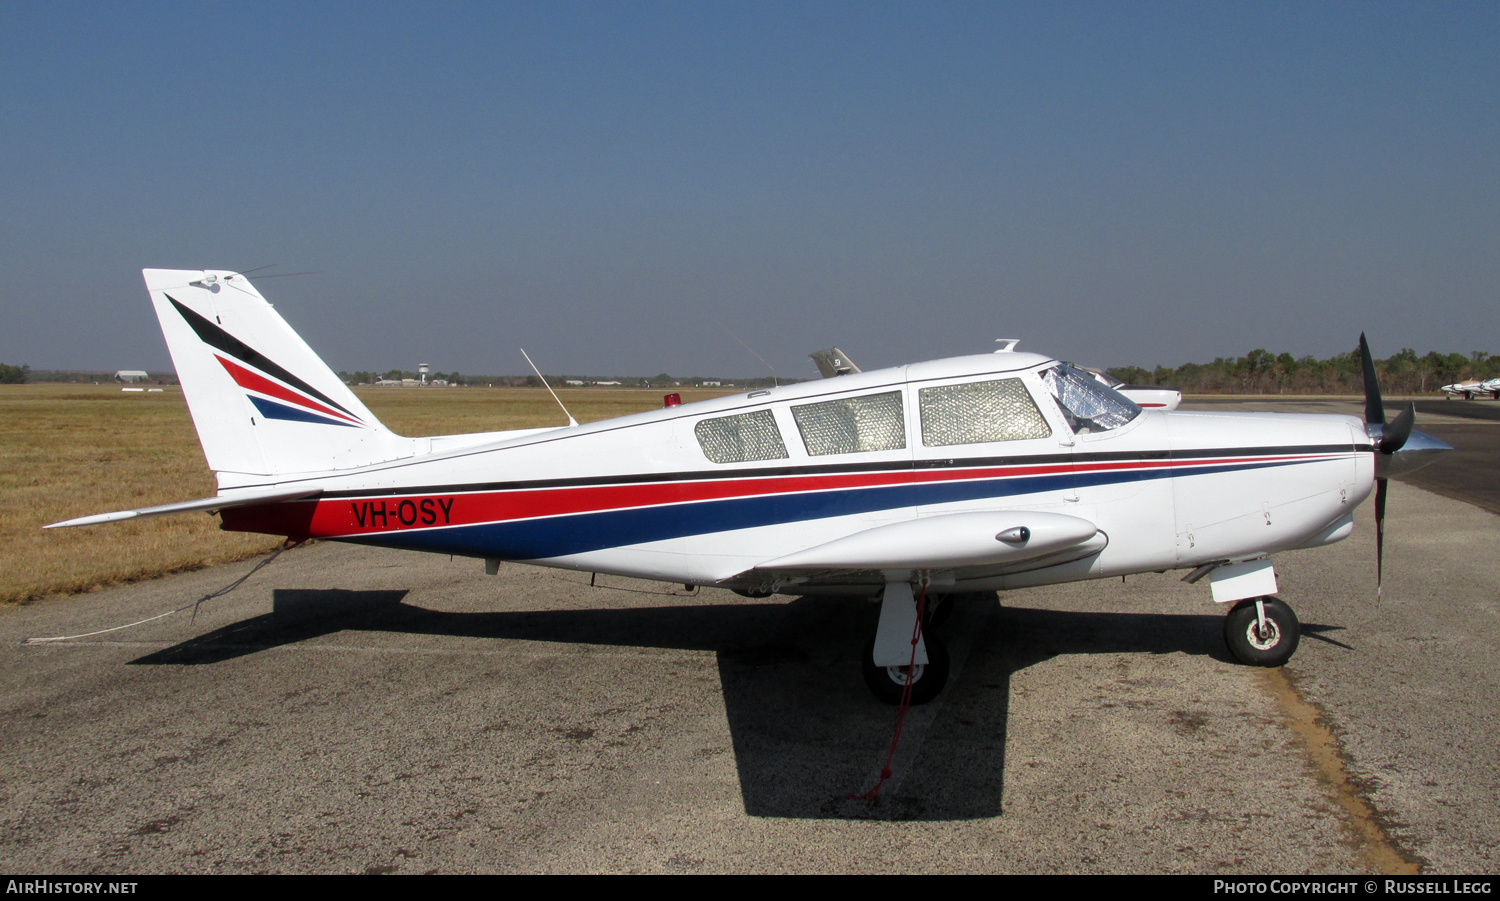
{"x": 1262, "y": 631}
{"x": 887, "y": 660}
{"x": 887, "y": 682}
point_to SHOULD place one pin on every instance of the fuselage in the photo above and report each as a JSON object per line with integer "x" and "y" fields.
{"x": 704, "y": 493}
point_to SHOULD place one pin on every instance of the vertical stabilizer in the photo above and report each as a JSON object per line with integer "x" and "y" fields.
{"x": 832, "y": 362}
{"x": 264, "y": 404}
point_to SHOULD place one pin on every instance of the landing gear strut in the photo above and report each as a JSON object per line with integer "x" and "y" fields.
{"x": 1262, "y": 631}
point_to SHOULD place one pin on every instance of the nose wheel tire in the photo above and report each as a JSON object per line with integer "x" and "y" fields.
{"x": 886, "y": 682}
{"x": 1272, "y": 645}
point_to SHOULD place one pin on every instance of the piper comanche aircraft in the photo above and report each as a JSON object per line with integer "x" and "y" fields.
{"x": 977, "y": 473}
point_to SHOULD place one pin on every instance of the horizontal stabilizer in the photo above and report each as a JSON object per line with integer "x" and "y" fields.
{"x": 946, "y": 542}
{"x": 237, "y": 499}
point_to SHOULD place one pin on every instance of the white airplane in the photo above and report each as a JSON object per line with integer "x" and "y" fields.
{"x": 978, "y": 473}
{"x": 1472, "y": 388}
{"x": 1150, "y": 397}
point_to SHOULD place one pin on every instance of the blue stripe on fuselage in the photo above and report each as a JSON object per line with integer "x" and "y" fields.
{"x": 576, "y": 533}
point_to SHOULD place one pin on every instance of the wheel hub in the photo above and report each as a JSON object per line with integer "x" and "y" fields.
{"x": 897, "y": 674}
{"x": 1262, "y": 639}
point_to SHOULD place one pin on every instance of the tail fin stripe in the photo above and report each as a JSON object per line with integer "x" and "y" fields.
{"x": 272, "y": 410}
{"x": 216, "y": 337}
{"x": 251, "y": 381}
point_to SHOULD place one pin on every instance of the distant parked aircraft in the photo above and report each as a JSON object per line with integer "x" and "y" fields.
{"x": 1473, "y": 388}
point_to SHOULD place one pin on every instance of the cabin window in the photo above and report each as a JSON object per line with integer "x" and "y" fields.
{"x": 851, "y": 425}
{"x": 977, "y": 412}
{"x": 742, "y": 438}
{"x": 1087, "y": 405}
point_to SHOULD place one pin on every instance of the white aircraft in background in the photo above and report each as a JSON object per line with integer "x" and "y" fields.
{"x": 1150, "y": 397}
{"x": 1473, "y": 388}
{"x": 978, "y": 473}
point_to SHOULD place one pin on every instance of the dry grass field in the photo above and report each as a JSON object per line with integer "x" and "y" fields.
{"x": 72, "y": 450}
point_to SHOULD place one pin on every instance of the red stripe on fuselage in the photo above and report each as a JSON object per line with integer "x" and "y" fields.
{"x": 399, "y": 511}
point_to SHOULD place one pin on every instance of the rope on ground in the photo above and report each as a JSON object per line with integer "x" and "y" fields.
{"x": 873, "y": 794}
{"x": 193, "y": 606}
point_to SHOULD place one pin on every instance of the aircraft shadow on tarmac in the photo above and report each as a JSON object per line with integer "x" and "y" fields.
{"x": 806, "y": 734}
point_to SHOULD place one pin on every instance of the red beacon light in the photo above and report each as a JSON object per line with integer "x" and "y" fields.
{"x": 672, "y": 400}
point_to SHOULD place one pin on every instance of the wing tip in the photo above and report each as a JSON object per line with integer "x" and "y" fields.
{"x": 94, "y": 520}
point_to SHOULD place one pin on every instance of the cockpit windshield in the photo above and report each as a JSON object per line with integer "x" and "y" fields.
{"x": 1087, "y": 405}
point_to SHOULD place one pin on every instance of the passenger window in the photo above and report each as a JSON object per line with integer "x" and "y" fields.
{"x": 852, "y": 425}
{"x": 976, "y": 412}
{"x": 742, "y": 438}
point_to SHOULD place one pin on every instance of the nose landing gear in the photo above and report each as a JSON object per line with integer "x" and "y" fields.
{"x": 1262, "y": 631}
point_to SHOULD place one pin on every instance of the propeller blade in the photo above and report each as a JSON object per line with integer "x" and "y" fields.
{"x": 1393, "y": 438}
{"x": 1374, "y": 409}
{"x": 1380, "y": 486}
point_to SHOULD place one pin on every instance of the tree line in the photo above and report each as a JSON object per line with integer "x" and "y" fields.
{"x": 1261, "y": 372}
{"x": 662, "y": 380}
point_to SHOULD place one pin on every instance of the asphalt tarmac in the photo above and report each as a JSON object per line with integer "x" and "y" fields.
{"x": 355, "y": 710}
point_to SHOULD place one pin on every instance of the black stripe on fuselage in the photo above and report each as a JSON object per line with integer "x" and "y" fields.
{"x": 216, "y": 337}
{"x": 844, "y": 468}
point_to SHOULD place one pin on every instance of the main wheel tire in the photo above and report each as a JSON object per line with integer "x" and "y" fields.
{"x": 1249, "y": 645}
{"x": 887, "y": 682}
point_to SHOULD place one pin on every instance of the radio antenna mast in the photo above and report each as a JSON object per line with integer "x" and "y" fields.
{"x": 571, "y": 420}
{"x": 774, "y": 380}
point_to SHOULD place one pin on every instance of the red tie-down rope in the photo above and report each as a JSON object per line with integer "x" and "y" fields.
{"x": 873, "y": 794}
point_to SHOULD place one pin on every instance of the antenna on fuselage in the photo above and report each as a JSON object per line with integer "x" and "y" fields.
{"x": 774, "y": 380}
{"x": 571, "y": 420}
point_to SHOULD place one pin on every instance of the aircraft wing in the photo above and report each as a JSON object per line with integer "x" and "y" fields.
{"x": 966, "y": 544}
{"x": 234, "y": 499}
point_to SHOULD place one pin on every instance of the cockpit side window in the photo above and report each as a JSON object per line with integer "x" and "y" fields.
{"x": 850, "y": 425}
{"x": 741, "y": 438}
{"x": 978, "y": 412}
{"x": 1087, "y": 405}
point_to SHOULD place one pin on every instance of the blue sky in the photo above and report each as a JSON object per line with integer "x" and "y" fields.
{"x": 616, "y": 186}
